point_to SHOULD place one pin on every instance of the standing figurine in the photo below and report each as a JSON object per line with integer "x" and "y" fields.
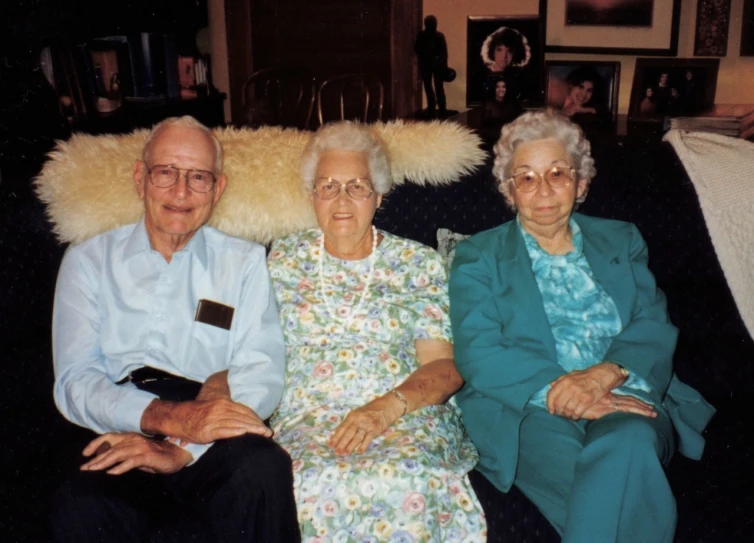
{"x": 432, "y": 51}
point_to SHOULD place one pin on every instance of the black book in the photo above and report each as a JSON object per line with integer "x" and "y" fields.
{"x": 170, "y": 67}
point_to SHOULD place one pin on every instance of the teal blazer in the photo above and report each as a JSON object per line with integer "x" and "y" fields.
{"x": 505, "y": 350}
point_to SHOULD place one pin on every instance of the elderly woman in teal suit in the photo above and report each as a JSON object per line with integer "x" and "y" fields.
{"x": 564, "y": 342}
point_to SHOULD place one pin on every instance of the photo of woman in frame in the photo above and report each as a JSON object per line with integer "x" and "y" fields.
{"x": 505, "y": 48}
{"x": 508, "y": 50}
{"x": 584, "y": 91}
{"x": 499, "y": 108}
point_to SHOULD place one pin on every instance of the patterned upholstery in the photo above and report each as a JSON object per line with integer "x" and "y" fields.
{"x": 646, "y": 185}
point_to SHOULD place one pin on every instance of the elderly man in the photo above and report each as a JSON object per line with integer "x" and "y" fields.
{"x": 143, "y": 316}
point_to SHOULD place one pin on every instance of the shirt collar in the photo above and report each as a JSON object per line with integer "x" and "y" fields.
{"x": 541, "y": 258}
{"x": 138, "y": 242}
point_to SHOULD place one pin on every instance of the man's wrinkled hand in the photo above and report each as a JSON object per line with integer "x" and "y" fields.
{"x": 119, "y": 453}
{"x": 215, "y": 387}
{"x": 206, "y": 421}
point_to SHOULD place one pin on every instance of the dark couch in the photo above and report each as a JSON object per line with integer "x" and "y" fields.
{"x": 641, "y": 183}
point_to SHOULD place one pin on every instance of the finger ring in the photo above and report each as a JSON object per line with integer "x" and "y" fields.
{"x": 615, "y": 406}
{"x": 360, "y": 431}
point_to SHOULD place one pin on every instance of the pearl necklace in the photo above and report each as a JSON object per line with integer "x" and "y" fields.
{"x": 359, "y": 307}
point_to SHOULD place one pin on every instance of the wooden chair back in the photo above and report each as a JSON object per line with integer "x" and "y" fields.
{"x": 279, "y": 97}
{"x": 358, "y": 97}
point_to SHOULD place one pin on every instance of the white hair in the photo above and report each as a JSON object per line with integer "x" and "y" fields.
{"x": 353, "y": 137}
{"x": 539, "y": 125}
{"x": 186, "y": 122}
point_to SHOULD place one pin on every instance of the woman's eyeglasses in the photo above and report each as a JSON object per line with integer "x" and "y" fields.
{"x": 327, "y": 188}
{"x": 557, "y": 177}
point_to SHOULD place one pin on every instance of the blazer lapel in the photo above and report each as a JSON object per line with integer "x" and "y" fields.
{"x": 516, "y": 268}
{"x": 609, "y": 264}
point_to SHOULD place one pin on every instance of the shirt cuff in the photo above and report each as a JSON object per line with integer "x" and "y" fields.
{"x": 196, "y": 450}
{"x": 130, "y": 409}
{"x": 539, "y": 398}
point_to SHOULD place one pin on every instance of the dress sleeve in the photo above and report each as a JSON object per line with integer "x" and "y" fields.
{"x": 429, "y": 285}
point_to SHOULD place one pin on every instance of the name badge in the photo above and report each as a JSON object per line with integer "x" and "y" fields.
{"x": 214, "y": 314}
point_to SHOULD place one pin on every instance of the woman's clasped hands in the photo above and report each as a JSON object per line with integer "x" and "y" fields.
{"x": 587, "y": 394}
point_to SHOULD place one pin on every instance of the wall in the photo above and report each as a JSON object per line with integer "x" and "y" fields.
{"x": 218, "y": 43}
{"x": 735, "y": 83}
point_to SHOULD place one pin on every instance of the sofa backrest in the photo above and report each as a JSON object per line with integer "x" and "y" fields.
{"x": 646, "y": 185}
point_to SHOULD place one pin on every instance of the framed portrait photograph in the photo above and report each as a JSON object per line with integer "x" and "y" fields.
{"x": 615, "y": 27}
{"x": 613, "y": 13}
{"x": 505, "y": 60}
{"x": 672, "y": 87}
{"x": 585, "y": 91}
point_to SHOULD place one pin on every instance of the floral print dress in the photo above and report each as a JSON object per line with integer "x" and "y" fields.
{"x": 411, "y": 484}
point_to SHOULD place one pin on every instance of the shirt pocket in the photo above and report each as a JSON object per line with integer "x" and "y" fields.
{"x": 208, "y": 345}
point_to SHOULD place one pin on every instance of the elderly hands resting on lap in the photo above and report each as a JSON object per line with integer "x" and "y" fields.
{"x": 563, "y": 339}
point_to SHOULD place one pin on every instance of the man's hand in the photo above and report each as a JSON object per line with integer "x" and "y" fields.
{"x": 201, "y": 421}
{"x": 215, "y": 387}
{"x": 362, "y": 425}
{"x": 119, "y": 453}
{"x": 614, "y": 403}
{"x": 572, "y": 394}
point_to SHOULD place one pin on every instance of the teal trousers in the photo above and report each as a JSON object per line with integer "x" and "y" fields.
{"x": 599, "y": 481}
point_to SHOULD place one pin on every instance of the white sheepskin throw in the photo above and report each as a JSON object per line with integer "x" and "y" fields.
{"x": 88, "y": 187}
{"x": 720, "y": 167}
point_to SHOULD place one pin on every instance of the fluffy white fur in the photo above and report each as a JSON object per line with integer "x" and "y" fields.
{"x": 88, "y": 187}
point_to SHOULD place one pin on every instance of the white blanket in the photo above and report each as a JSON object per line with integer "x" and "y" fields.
{"x": 722, "y": 171}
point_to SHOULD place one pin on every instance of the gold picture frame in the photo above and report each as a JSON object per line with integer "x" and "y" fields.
{"x": 660, "y": 39}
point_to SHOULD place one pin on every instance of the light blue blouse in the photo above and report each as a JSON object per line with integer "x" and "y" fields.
{"x": 583, "y": 317}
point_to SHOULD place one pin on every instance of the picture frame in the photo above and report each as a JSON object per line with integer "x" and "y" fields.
{"x": 671, "y": 87}
{"x": 585, "y": 91}
{"x": 747, "y": 30}
{"x": 659, "y": 39}
{"x": 712, "y": 20}
{"x": 614, "y": 13}
{"x": 519, "y": 63}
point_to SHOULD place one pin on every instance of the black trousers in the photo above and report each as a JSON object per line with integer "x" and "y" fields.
{"x": 240, "y": 490}
{"x": 428, "y": 76}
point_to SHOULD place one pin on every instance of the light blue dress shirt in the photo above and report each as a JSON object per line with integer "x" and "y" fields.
{"x": 583, "y": 317}
{"x": 119, "y": 306}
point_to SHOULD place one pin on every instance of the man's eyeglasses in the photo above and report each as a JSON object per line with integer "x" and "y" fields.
{"x": 327, "y": 188}
{"x": 557, "y": 177}
{"x": 165, "y": 176}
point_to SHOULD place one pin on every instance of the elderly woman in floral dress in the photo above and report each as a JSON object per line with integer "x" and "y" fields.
{"x": 378, "y": 450}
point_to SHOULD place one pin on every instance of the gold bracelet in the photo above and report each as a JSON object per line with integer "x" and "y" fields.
{"x": 402, "y": 399}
